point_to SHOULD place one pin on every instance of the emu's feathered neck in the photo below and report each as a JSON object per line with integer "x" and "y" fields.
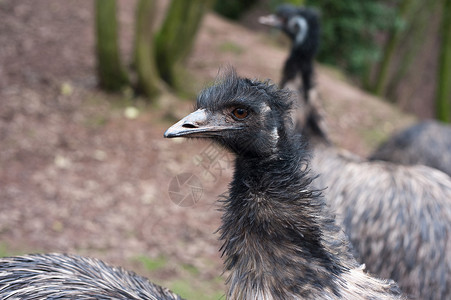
{"x": 273, "y": 226}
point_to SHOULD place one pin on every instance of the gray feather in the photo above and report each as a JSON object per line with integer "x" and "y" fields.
{"x": 62, "y": 276}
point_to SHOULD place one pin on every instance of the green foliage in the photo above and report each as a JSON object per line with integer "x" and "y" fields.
{"x": 443, "y": 98}
{"x": 274, "y": 3}
{"x": 417, "y": 23}
{"x": 233, "y": 9}
{"x": 349, "y": 31}
{"x": 392, "y": 44}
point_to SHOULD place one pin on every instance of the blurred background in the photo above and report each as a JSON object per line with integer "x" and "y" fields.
{"x": 87, "y": 89}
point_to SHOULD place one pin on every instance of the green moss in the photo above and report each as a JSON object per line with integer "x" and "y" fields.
{"x": 373, "y": 137}
{"x": 191, "y": 269}
{"x": 4, "y": 251}
{"x": 112, "y": 75}
{"x": 231, "y": 47}
{"x": 151, "y": 264}
{"x": 96, "y": 121}
{"x": 190, "y": 291}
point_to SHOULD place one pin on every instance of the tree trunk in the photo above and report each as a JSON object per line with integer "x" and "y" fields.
{"x": 112, "y": 76}
{"x": 390, "y": 48}
{"x": 443, "y": 98}
{"x": 412, "y": 42}
{"x": 176, "y": 37}
{"x": 148, "y": 81}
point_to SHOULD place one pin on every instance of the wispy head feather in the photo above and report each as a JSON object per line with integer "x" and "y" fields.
{"x": 229, "y": 88}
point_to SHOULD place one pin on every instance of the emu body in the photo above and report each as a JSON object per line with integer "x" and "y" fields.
{"x": 302, "y": 26}
{"x": 59, "y": 276}
{"x": 425, "y": 143}
{"x": 398, "y": 218}
{"x": 279, "y": 239}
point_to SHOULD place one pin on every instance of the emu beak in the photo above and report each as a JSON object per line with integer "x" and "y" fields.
{"x": 270, "y": 20}
{"x": 199, "y": 124}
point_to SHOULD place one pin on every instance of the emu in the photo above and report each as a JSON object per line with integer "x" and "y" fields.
{"x": 302, "y": 26}
{"x": 62, "y": 276}
{"x": 280, "y": 241}
{"x": 397, "y": 217}
{"x": 427, "y": 143}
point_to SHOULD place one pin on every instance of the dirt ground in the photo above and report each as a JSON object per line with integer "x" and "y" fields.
{"x": 77, "y": 175}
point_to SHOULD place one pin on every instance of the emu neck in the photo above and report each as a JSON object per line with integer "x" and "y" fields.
{"x": 314, "y": 131}
{"x": 272, "y": 230}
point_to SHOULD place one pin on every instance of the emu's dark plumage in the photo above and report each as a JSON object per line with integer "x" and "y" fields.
{"x": 302, "y": 25}
{"x": 398, "y": 217}
{"x": 59, "y": 276}
{"x": 426, "y": 143}
{"x": 279, "y": 240}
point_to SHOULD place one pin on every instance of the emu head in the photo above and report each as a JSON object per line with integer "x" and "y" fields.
{"x": 292, "y": 20}
{"x": 247, "y": 117}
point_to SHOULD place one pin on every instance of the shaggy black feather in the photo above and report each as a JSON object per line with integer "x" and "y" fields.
{"x": 279, "y": 239}
{"x": 60, "y": 276}
{"x": 425, "y": 143}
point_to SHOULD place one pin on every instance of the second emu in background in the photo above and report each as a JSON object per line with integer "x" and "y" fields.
{"x": 302, "y": 25}
{"x": 397, "y": 217}
{"x": 425, "y": 143}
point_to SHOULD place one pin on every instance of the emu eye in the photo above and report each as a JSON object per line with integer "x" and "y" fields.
{"x": 240, "y": 113}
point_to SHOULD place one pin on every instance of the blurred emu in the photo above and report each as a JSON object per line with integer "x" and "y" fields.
{"x": 397, "y": 217}
{"x": 425, "y": 143}
{"x": 61, "y": 276}
{"x": 302, "y": 25}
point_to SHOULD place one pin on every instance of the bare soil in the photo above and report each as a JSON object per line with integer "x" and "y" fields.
{"x": 78, "y": 176}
